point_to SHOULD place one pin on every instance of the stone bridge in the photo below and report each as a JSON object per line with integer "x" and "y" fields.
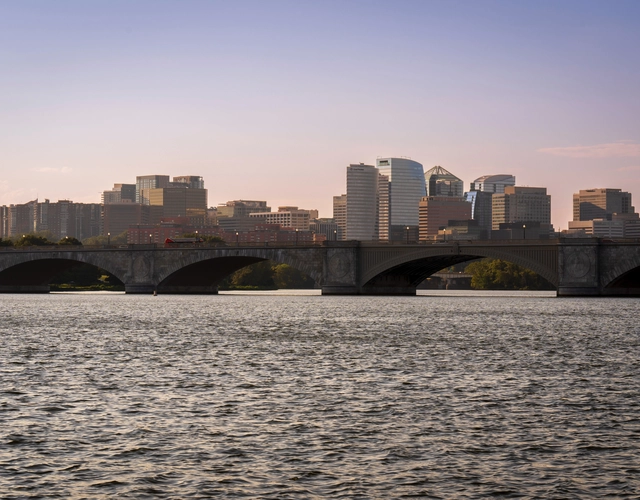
{"x": 574, "y": 266}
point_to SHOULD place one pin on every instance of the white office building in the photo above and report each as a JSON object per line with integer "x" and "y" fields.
{"x": 362, "y": 202}
{"x": 493, "y": 183}
{"x": 406, "y": 189}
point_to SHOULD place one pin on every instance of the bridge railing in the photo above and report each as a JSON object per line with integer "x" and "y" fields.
{"x": 158, "y": 246}
{"x": 293, "y": 244}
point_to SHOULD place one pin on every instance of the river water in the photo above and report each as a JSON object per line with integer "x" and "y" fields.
{"x": 294, "y": 395}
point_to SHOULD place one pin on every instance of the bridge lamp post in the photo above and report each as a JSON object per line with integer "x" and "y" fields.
{"x": 296, "y": 237}
{"x": 150, "y": 236}
{"x": 524, "y": 231}
{"x": 237, "y": 239}
{"x": 407, "y": 235}
{"x": 108, "y": 239}
{"x": 335, "y": 235}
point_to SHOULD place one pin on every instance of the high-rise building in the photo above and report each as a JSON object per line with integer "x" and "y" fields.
{"x": 75, "y": 220}
{"x": 362, "y": 202}
{"x": 493, "y": 183}
{"x": 121, "y": 193}
{"x": 181, "y": 202}
{"x": 601, "y": 203}
{"x": 146, "y": 182}
{"x": 340, "y": 215}
{"x": 521, "y": 204}
{"x": 383, "y": 207}
{"x": 56, "y": 220}
{"x": 480, "y": 197}
{"x": 119, "y": 217}
{"x": 23, "y": 218}
{"x": 437, "y": 211}
{"x": 481, "y": 202}
{"x": 242, "y": 208}
{"x": 191, "y": 181}
{"x": 4, "y": 221}
{"x": 441, "y": 182}
{"x": 406, "y": 189}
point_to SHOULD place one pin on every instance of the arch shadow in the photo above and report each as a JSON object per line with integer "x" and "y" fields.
{"x": 626, "y": 284}
{"x": 410, "y": 274}
{"x": 204, "y": 276}
{"x": 36, "y": 276}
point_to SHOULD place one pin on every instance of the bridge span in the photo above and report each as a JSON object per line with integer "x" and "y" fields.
{"x": 576, "y": 267}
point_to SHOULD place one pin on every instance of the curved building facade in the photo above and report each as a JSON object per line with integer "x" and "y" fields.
{"x": 406, "y": 189}
{"x": 493, "y": 183}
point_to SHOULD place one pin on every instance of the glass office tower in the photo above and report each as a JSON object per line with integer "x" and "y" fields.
{"x": 406, "y": 189}
{"x": 362, "y": 202}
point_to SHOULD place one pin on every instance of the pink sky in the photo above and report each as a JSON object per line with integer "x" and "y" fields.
{"x": 272, "y": 100}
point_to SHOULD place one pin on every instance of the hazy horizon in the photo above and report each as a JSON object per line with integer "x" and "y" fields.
{"x": 272, "y": 100}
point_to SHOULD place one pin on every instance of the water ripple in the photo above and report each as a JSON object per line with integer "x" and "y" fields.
{"x": 109, "y": 396}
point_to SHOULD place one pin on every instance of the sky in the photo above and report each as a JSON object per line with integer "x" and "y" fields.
{"x": 271, "y": 100}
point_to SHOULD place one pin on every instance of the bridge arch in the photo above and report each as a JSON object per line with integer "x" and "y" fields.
{"x": 620, "y": 268}
{"x": 409, "y": 268}
{"x": 200, "y": 272}
{"x": 33, "y": 270}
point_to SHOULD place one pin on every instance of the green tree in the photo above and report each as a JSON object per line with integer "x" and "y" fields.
{"x": 69, "y": 241}
{"x": 495, "y": 274}
{"x": 6, "y": 243}
{"x": 259, "y": 275}
{"x": 285, "y": 276}
{"x": 27, "y": 240}
{"x": 118, "y": 239}
{"x": 207, "y": 239}
{"x": 79, "y": 274}
{"x": 83, "y": 276}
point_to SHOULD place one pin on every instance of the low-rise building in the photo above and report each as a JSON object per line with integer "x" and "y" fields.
{"x": 463, "y": 230}
{"x": 435, "y": 212}
{"x": 520, "y": 204}
{"x": 340, "y": 215}
{"x": 602, "y": 228}
{"x": 327, "y": 227}
{"x": 292, "y": 217}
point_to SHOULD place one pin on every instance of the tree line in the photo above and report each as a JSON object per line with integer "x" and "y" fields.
{"x": 495, "y": 274}
{"x": 28, "y": 240}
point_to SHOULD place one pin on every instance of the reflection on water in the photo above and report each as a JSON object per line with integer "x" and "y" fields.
{"x": 287, "y": 395}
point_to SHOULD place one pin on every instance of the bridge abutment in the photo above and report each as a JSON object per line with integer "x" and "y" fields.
{"x": 578, "y": 268}
{"x": 139, "y": 288}
{"x": 340, "y": 268}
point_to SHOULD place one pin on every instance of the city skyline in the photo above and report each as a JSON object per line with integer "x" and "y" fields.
{"x": 276, "y": 100}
